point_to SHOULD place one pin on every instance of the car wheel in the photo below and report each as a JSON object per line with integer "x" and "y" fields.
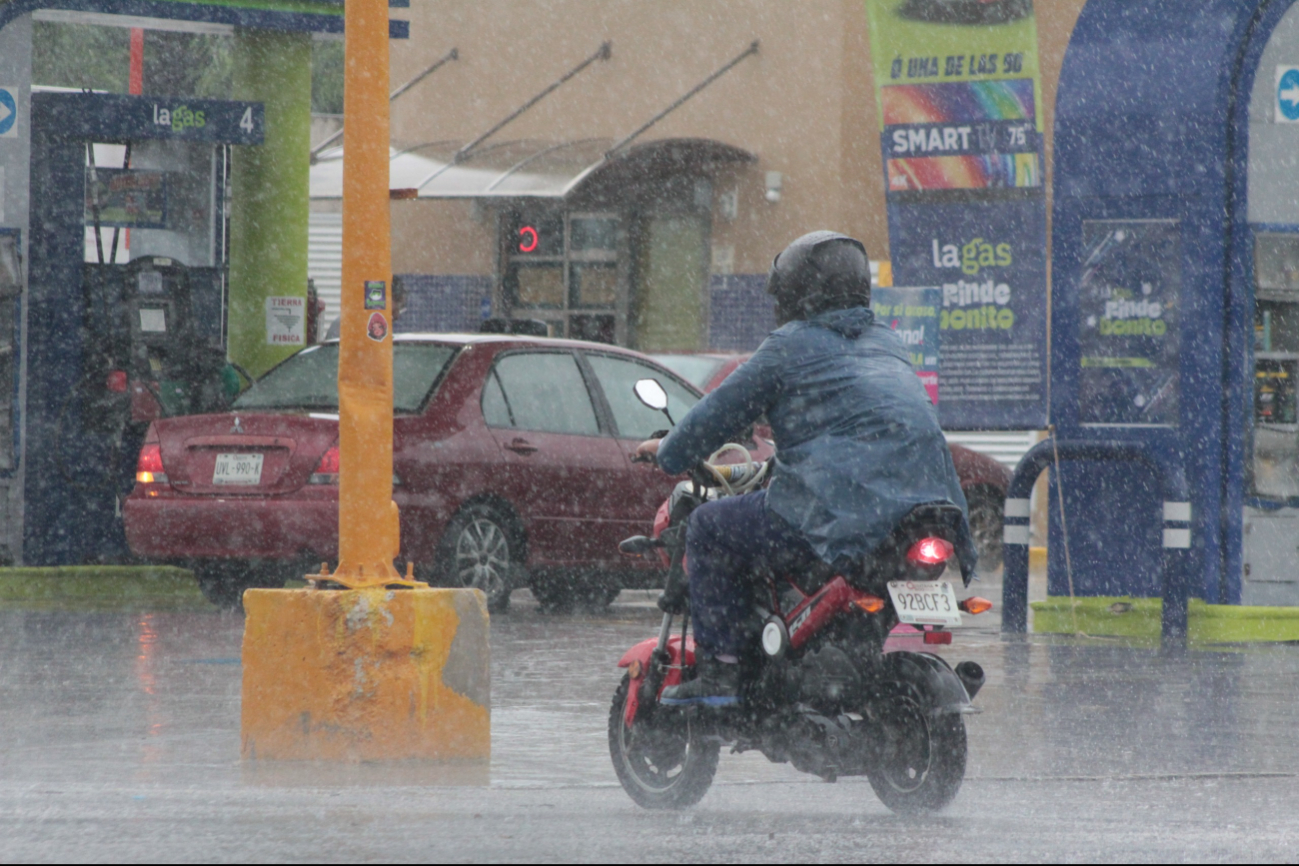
{"x": 481, "y": 550}
{"x": 987, "y": 525}
{"x": 223, "y": 581}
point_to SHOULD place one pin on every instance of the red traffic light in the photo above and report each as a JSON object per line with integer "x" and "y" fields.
{"x": 528, "y": 239}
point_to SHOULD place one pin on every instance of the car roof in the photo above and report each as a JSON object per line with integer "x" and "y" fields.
{"x": 514, "y": 339}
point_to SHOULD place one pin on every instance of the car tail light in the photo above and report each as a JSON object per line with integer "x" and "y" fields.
{"x": 148, "y": 469}
{"x": 116, "y": 382}
{"x": 930, "y": 551}
{"x": 870, "y": 603}
{"x": 975, "y": 605}
{"x": 327, "y": 471}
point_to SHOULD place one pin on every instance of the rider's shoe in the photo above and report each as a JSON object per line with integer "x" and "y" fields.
{"x": 717, "y": 685}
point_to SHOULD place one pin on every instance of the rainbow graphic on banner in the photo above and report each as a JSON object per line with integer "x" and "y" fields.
{"x": 983, "y": 132}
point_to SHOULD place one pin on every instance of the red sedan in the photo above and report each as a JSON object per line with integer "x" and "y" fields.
{"x": 983, "y": 480}
{"x": 511, "y": 458}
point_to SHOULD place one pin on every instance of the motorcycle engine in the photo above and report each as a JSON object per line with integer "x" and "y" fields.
{"x": 827, "y": 679}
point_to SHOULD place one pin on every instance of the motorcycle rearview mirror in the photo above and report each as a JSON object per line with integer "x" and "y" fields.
{"x": 651, "y": 393}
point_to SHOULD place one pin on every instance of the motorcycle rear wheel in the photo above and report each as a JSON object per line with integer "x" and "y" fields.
{"x": 922, "y": 763}
{"x": 660, "y": 767}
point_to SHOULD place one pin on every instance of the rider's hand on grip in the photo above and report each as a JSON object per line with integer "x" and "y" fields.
{"x": 647, "y": 452}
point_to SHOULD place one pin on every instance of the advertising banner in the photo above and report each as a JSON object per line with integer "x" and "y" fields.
{"x": 959, "y": 103}
{"x": 913, "y": 313}
{"x": 1128, "y": 331}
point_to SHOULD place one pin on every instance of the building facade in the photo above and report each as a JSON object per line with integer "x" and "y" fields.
{"x": 575, "y": 213}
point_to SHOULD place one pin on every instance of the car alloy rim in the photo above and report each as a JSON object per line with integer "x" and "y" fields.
{"x": 482, "y": 556}
{"x": 986, "y": 528}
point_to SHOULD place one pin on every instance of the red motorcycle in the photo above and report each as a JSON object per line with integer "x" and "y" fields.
{"x": 819, "y": 692}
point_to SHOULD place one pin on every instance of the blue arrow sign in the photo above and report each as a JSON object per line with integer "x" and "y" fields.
{"x": 8, "y": 111}
{"x": 1287, "y": 95}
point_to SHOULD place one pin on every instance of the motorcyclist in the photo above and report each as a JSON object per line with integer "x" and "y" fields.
{"x": 858, "y": 446}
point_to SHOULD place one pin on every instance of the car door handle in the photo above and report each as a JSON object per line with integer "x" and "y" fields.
{"x": 521, "y": 446}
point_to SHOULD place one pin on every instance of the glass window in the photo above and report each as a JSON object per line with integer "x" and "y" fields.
{"x": 309, "y": 379}
{"x": 563, "y": 269}
{"x": 593, "y": 233}
{"x": 1276, "y": 266}
{"x": 496, "y": 412}
{"x": 541, "y": 391}
{"x": 594, "y": 285}
{"x": 698, "y": 370}
{"x": 540, "y": 286}
{"x": 537, "y": 235}
{"x": 635, "y": 420}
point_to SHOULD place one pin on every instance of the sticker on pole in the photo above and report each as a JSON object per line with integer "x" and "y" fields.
{"x": 8, "y": 113}
{"x": 1287, "y": 94}
{"x": 376, "y": 295}
{"x": 286, "y": 321}
{"x": 377, "y": 329}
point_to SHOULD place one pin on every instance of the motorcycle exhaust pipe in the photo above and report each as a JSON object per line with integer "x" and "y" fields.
{"x": 971, "y": 676}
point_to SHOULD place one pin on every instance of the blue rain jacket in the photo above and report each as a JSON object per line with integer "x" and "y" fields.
{"x": 858, "y": 442}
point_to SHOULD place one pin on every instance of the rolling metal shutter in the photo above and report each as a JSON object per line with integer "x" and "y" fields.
{"x": 325, "y": 262}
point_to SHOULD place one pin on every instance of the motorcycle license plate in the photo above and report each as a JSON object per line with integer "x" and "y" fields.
{"x": 238, "y": 470}
{"x": 925, "y": 602}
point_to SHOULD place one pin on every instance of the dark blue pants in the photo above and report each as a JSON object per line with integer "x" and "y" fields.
{"x": 730, "y": 545}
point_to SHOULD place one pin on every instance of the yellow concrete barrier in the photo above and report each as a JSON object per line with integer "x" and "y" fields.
{"x": 366, "y": 675}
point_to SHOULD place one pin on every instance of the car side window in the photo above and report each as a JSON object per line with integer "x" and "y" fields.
{"x": 496, "y": 412}
{"x": 539, "y": 391}
{"x": 635, "y": 420}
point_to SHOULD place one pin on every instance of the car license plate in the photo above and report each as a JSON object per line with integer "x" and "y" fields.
{"x": 925, "y": 602}
{"x": 238, "y": 469}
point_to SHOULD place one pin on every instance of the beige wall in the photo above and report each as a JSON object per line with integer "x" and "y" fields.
{"x": 804, "y": 105}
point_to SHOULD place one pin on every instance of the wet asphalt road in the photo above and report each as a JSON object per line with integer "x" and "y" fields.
{"x": 119, "y": 740}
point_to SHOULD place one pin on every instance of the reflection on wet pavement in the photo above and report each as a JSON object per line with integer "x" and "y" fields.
{"x": 150, "y": 703}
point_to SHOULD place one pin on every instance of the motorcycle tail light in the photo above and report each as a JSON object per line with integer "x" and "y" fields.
{"x": 148, "y": 469}
{"x": 941, "y": 638}
{"x": 327, "y": 471}
{"x": 930, "y": 551}
{"x": 975, "y": 605}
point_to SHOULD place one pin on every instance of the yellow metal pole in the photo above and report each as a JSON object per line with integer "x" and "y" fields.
{"x": 368, "y": 532}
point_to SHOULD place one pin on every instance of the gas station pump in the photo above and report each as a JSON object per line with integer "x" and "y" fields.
{"x": 155, "y": 356}
{"x": 118, "y": 337}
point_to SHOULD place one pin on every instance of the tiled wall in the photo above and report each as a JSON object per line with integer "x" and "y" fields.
{"x": 741, "y": 313}
{"x": 445, "y": 302}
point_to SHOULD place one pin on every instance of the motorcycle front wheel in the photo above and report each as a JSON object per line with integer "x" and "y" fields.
{"x": 922, "y": 758}
{"x": 666, "y": 765}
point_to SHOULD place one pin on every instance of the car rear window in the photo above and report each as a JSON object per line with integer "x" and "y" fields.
{"x": 309, "y": 379}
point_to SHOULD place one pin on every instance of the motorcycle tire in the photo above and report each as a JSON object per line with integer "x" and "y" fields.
{"x": 922, "y": 763}
{"x": 660, "y": 768}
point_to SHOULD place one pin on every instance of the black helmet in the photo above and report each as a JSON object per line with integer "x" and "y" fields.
{"x": 818, "y": 272}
